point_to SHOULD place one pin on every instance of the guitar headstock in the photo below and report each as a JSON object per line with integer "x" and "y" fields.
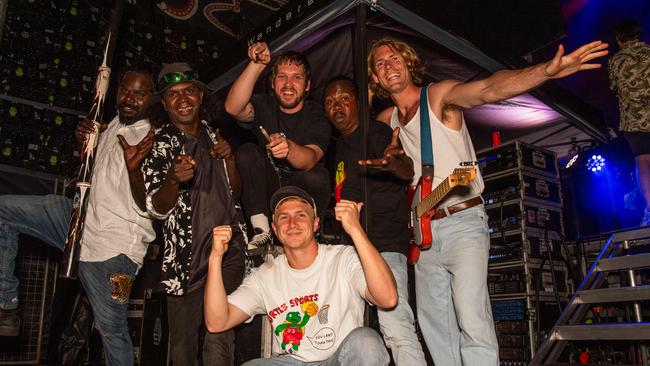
{"x": 462, "y": 176}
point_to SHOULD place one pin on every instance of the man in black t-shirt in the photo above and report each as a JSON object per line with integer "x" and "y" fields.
{"x": 298, "y": 135}
{"x": 387, "y": 174}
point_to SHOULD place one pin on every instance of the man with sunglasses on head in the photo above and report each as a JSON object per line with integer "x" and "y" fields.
{"x": 297, "y": 140}
{"x": 117, "y": 227}
{"x": 188, "y": 181}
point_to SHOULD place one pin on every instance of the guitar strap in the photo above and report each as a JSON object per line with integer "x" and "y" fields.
{"x": 426, "y": 149}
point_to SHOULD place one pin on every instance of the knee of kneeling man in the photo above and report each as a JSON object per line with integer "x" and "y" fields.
{"x": 366, "y": 337}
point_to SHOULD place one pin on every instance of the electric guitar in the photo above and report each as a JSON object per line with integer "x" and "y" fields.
{"x": 423, "y": 200}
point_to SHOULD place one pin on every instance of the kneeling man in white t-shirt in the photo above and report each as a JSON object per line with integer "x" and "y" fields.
{"x": 313, "y": 293}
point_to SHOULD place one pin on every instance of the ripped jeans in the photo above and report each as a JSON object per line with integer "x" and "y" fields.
{"x": 108, "y": 286}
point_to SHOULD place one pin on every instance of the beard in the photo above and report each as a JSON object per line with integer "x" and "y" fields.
{"x": 290, "y": 105}
{"x": 127, "y": 120}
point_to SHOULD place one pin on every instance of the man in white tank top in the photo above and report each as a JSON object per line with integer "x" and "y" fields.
{"x": 453, "y": 304}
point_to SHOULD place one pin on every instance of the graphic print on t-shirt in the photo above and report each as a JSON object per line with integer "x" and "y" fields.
{"x": 299, "y": 314}
{"x": 340, "y": 178}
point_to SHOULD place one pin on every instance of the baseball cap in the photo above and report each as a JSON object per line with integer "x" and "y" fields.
{"x": 287, "y": 192}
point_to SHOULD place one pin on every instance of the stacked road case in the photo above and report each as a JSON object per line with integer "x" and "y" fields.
{"x": 527, "y": 275}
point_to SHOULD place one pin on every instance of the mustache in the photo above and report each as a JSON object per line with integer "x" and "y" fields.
{"x": 129, "y": 105}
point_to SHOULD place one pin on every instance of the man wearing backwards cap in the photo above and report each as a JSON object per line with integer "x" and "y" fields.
{"x": 313, "y": 293}
{"x": 187, "y": 179}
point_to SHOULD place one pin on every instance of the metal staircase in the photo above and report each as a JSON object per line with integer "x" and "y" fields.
{"x": 612, "y": 258}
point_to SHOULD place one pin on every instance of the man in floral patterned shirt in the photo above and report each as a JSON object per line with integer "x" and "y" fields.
{"x": 629, "y": 76}
{"x": 188, "y": 180}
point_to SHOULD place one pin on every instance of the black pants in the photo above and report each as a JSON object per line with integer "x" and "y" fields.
{"x": 260, "y": 180}
{"x": 187, "y": 328}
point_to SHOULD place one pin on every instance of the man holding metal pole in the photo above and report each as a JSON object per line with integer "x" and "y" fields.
{"x": 116, "y": 232}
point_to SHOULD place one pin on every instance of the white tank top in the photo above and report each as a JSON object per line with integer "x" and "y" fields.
{"x": 450, "y": 149}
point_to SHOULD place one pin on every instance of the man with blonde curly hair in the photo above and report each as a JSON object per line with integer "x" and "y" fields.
{"x": 453, "y": 304}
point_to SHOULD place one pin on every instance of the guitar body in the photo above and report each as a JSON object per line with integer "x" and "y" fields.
{"x": 422, "y": 200}
{"x": 420, "y": 225}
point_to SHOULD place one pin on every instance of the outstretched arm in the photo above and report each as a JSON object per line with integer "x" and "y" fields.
{"x": 509, "y": 83}
{"x": 382, "y": 290}
{"x": 394, "y": 160}
{"x": 238, "y": 102}
{"x": 218, "y": 313}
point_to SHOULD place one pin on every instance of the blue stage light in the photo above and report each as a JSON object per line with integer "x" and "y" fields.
{"x": 596, "y": 163}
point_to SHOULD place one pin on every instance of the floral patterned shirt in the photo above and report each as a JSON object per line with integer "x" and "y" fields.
{"x": 629, "y": 76}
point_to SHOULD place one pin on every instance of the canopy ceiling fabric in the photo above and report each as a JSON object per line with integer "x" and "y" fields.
{"x": 325, "y": 36}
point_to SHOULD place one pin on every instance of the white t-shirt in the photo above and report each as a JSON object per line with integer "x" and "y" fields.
{"x": 451, "y": 149}
{"x": 311, "y": 310}
{"x": 114, "y": 225}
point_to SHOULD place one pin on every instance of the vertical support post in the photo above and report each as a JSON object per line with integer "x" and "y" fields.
{"x": 3, "y": 15}
{"x": 359, "y": 53}
{"x": 113, "y": 28}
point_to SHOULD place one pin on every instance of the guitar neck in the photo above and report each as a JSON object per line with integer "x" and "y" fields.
{"x": 434, "y": 197}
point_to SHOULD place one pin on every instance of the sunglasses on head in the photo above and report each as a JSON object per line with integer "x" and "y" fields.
{"x": 178, "y": 77}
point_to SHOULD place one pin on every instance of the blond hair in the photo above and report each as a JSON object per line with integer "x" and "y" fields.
{"x": 413, "y": 64}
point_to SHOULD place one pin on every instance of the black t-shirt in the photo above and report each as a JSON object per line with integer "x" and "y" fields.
{"x": 388, "y": 218}
{"x": 308, "y": 126}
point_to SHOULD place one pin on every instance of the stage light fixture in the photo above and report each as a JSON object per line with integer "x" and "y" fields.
{"x": 596, "y": 163}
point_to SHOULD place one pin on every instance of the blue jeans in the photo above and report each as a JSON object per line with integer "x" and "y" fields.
{"x": 398, "y": 324}
{"x": 108, "y": 285}
{"x": 43, "y": 217}
{"x": 362, "y": 347}
{"x": 453, "y": 304}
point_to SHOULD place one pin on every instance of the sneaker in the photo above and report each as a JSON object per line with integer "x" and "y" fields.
{"x": 9, "y": 322}
{"x": 260, "y": 240}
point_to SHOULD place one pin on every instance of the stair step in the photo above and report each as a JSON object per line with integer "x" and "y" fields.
{"x": 591, "y": 332}
{"x": 622, "y": 263}
{"x": 604, "y": 295}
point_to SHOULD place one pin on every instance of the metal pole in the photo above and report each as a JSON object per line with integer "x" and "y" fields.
{"x": 359, "y": 53}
